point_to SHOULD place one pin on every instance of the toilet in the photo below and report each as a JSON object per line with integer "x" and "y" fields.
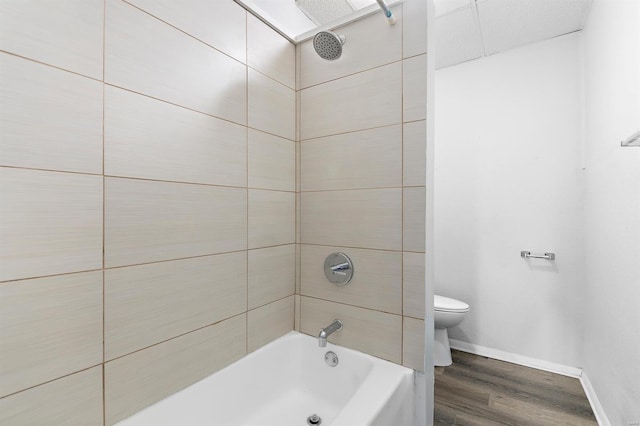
{"x": 447, "y": 313}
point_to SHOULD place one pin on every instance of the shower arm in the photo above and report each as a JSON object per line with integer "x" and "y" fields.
{"x": 387, "y": 12}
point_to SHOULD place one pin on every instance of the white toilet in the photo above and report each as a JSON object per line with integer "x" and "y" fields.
{"x": 447, "y": 313}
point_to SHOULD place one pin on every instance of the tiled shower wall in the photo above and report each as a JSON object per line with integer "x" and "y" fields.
{"x": 147, "y": 201}
{"x": 361, "y": 185}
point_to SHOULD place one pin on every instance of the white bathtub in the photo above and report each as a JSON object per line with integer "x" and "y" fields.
{"x": 285, "y": 382}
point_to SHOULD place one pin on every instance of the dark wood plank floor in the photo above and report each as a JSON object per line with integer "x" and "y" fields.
{"x": 478, "y": 391}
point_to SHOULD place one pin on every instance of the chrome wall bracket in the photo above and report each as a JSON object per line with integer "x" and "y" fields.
{"x": 527, "y": 254}
{"x": 633, "y": 140}
{"x": 338, "y": 268}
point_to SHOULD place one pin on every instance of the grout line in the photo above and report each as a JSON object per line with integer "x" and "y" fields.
{"x": 173, "y": 103}
{"x": 297, "y": 307}
{"x": 116, "y": 267}
{"x": 270, "y": 78}
{"x": 273, "y": 246}
{"x": 373, "y": 188}
{"x": 173, "y": 260}
{"x": 177, "y": 259}
{"x": 159, "y": 99}
{"x": 49, "y": 381}
{"x": 195, "y": 110}
{"x": 197, "y": 183}
{"x": 280, "y": 299}
{"x": 51, "y": 170}
{"x": 186, "y": 33}
{"x": 49, "y": 276}
{"x": 350, "y": 247}
{"x": 52, "y": 66}
{"x": 352, "y": 131}
{"x": 176, "y": 337}
{"x": 414, "y": 121}
{"x": 212, "y": 185}
{"x": 104, "y": 394}
{"x": 104, "y": 208}
{"x": 271, "y": 134}
{"x": 402, "y": 11}
{"x": 402, "y": 360}
{"x": 246, "y": 49}
{"x": 351, "y": 74}
{"x": 352, "y": 305}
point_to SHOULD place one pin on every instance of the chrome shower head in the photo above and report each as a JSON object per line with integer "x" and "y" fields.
{"x": 328, "y": 45}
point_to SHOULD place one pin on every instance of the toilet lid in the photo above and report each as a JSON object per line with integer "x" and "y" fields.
{"x": 441, "y": 303}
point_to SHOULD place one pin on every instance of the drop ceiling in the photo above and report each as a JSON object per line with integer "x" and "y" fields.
{"x": 471, "y": 29}
{"x": 465, "y": 29}
{"x": 294, "y": 19}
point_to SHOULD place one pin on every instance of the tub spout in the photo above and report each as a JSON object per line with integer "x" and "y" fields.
{"x": 336, "y": 325}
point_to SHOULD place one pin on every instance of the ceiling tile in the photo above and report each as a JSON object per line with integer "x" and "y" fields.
{"x": 445, "y": 6}
{"x": 510, "y": 23}
{"x": 359, "y": 4}
{"x": 324, "y": 11}
{"x": 457, "y": 38}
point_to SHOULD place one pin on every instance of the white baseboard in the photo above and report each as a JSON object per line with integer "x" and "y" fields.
{"x": 597, "y": 408}
{"x": 539, "y": 364}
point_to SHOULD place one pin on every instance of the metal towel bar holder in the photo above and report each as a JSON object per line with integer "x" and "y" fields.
{"x": 633, "y": 140}
{"x": 527, "y": 254}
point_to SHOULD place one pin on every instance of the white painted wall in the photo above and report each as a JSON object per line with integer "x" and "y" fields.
{"x": 612, "y": 87}
{"x": 508, "y": 178}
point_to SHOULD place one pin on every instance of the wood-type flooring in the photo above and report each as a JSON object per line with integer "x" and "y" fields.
{"x": 476, "y": 391}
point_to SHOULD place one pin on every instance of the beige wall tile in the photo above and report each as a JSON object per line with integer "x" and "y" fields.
{"x": 414, "y": 153}
{"x": 414, "y": 88}
{"x": 50, "y": 119}
{"x": 271, "y": 162}
{"x": 364, "y": 159}
{"x": 50, "y": 223}
{"x": 152, "y": 139}
{"x": 147, "y": 304}
{"x": 369, "y": 218}
{"x": 414, "y": 282}
{"x": 49, "y": 327}
{"x": 65, "y": 34}
{"x": 271, "y": 218}
{"x": 368, "y": 99}
{"x": 269, "y": 322}
{"x": 414, "y": 219}
{"x": 272, "y": 106}
{"x": 148, "y": 221}
{"x": 271, "y": 274}
{"x": 373, "y": 332}
{"x": 138, "y": 380}
{"x": 220, "y": 24}
{"x": 148, "y": 56}
{"x": 413, "y": 343}
{"x": 269, "y": 52}
{"x": 376, "y": 282}
{"x": 71, "y": 400}
{"x": 414, "y": 27}
{"x": 371, "y": 42}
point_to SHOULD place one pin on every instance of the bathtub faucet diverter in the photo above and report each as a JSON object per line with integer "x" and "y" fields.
{"x": 336, "y": 325}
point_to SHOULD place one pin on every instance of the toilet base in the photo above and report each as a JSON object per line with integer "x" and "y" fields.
{"x": 441, "y": 348}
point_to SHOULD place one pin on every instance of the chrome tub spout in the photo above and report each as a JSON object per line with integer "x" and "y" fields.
{"x": 336, "y": 325}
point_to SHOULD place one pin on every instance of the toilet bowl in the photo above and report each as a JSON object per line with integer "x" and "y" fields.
{"x": 447, "y": 313}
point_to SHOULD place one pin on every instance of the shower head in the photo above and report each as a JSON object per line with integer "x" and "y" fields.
{"x": 328, "y": 45}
